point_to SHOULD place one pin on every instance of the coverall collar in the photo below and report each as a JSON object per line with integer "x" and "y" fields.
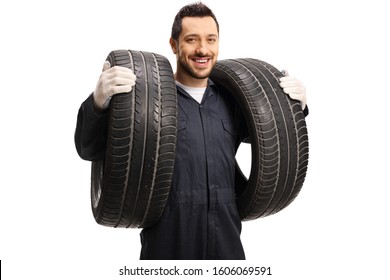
{"x": 208, "y": 93}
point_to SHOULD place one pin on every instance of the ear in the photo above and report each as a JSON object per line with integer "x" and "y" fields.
{"x": 173, "y": 44}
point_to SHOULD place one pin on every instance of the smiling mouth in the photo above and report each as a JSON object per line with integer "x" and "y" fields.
{"x": 201, "y": 61}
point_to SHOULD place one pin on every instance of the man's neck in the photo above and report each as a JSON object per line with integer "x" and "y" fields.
{"x": 191, "y": 82}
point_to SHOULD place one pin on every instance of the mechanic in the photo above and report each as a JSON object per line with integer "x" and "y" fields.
{"x": 200, "y": 219}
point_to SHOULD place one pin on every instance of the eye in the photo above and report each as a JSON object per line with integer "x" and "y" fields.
{"x": 191, "y": 40}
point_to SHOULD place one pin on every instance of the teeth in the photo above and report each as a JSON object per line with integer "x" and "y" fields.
{"x": 201, "y": 60}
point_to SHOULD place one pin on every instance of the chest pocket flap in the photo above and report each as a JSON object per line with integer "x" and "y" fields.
{"x": 229, "y": 127}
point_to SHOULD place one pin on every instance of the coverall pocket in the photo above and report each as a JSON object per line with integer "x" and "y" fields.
{"x": 229, "y": 132}
{"x": 229, "y": 128}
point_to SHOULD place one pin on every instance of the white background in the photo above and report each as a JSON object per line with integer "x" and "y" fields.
{"x": 52, "y": 53}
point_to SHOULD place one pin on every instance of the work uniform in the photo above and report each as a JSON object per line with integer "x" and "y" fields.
{"x": 200, "y": 220}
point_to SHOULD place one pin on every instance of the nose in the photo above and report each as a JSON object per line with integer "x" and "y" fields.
{"x": 201, "y": 48}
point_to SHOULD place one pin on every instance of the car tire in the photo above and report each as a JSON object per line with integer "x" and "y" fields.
{"x": 129, "y": 188}
{"x": 278, "y": 136}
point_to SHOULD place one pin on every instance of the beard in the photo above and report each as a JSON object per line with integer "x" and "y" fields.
{"x": 191, "y": 72}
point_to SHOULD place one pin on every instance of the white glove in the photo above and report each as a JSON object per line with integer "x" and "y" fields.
{"x": 112, "y": 81}
{"x": 294, "y": 88}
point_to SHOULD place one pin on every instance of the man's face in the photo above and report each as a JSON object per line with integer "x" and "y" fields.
{"x": 196, "y": 49}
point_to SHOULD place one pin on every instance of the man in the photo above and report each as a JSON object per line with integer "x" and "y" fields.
{"x": 200, "y": 220}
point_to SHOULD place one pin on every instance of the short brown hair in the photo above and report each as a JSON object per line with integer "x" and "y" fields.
{"x": 192, "y": 10}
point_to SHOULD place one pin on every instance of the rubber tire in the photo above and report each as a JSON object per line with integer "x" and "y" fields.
{"x": 278, "y": 133}
{"x": 130, "y": 187}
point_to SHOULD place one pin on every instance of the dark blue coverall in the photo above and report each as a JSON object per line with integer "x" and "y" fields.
{"x": 200, "y": 220}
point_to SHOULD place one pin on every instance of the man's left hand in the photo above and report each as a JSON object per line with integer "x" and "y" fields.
{"x": 294, "y": 88}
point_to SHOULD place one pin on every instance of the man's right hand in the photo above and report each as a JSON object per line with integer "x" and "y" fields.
{"x": 112, "y": 81}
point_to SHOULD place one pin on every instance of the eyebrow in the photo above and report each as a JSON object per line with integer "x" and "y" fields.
{"x": 197, "y": 35}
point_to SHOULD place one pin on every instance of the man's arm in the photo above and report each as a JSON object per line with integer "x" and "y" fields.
{"x": 91, "y": 131}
